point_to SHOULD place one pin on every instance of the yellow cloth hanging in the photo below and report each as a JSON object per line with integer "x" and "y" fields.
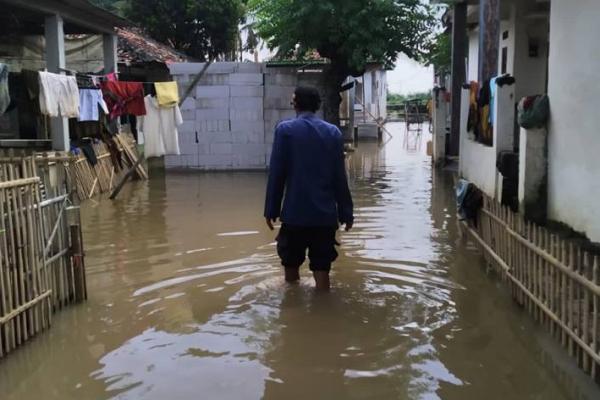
{"x": 167, "y": 94}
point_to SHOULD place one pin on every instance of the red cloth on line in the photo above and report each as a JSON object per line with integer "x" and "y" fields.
{"x": 123, "y": 98}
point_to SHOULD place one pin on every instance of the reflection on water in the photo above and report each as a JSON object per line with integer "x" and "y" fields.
{"x": 187, "y": 301}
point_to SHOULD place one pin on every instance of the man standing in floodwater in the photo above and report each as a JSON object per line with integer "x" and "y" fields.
{"x": 307, "y": 164}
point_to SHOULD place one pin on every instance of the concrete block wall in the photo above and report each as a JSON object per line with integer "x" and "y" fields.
{"x": 230, "y": 118}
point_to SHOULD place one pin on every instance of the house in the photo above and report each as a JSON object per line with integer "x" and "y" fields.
{"x": 549, "y": 47}
{"x": 23, "y": 21}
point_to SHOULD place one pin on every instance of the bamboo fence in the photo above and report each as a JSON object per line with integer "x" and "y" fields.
{"x": 556, "y": 280}
{"x": 41, "y": 261}
{"x": 91, "y": 180}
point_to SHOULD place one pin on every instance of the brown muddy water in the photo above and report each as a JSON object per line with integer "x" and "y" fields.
{"x": 187, "y": 302}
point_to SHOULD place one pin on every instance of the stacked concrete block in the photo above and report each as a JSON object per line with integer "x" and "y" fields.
{"x": 280, "y": 84}
{"x": 230, "y": 118}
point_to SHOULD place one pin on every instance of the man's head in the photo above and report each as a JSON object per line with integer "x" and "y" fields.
{"x": 306, "y": 99}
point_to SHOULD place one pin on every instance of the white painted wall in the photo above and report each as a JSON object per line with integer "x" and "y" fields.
{"x": 473, "y": 61}
{"x": 507, "y": 26}
{"x": 530, "y": 72}
{"x": 574, "y": 138}
{"x": 477, "y": 162}
{"x": 368, "y": 95}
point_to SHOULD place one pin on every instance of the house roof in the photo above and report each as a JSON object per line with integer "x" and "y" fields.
{"x": 135, "y": 47}
{"x": 80, "y": 16}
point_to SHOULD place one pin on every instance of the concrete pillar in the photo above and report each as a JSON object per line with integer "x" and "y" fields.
{"x": 504, "y": 118}
{"x": 55, "y": 62}
{"x": 463, "y": 162}
{"x": 439, "y": 117}
{"x": 489, "y": 38}
{"x": 351, "y": 102}
{"x": 459, "y": 46}
{"x": 110, "y": 44}
{"x": 533, "y": 167}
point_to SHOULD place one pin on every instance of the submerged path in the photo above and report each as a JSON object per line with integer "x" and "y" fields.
{"x": 187, "y": 302}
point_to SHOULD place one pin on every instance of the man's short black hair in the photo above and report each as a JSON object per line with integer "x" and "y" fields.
{"x": 307, "y": 99}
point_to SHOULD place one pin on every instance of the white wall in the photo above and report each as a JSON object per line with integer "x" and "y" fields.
{"x": 530, "y": 72}
{"x": 477, "y": 162}
{"x": 383, "y": 93}
{"x": 574, "y": 133}
{"x": 473, "y": 68}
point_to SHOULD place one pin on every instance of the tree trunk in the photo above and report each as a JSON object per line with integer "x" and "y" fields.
{"x": 334, "y": 78}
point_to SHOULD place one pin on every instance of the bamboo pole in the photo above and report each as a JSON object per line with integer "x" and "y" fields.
{"x": 550, "y": 277}
{"x": 32, "y": 256}
{"x": 542, "y": 274}
{"x": 76, "y": 254}
{"x": 596, "y": 316}
{"x": 4, "y": 290}
{"x": 571, "y": 296}
{"x": 564, "y": 293}
{"x": 555, "y": 283}
{"x": 586, "y": 313}
{"x": 18, "y": 258}
{"x": 8, "y": 264}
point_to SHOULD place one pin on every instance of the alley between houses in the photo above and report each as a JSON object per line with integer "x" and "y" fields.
{"x": 187, "y": 301}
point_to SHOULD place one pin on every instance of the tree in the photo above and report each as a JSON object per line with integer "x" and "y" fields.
{"x": 206, "y": 29}
{"x": 349, "y": 33}
{"x": 439, "y": 54}
{"x": 114, "y": 6}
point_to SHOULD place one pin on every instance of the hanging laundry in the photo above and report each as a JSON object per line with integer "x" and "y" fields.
{"x": 167, "y": 94}
{"x": 493, "y": 87}
{"x": 473, "y": 119}
{"x": 87, "y": 148}
{"x": 159, "y": 127}
{"x": 59, "y": 95}
{"x": 505, "y": 80}
{"x": 149, "y": 89}
{"x": 85, "y": 81}
{"x": 4, "y": 91}
{"x": 112, "y": 77}
{"x": 124, "y": 98}
{"x": 483, "y": 103}
{"x": 89, "y": 101}
{"x": 32, "y": 83}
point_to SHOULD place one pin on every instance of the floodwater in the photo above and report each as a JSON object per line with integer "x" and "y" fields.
{"x": 187, "y": 301}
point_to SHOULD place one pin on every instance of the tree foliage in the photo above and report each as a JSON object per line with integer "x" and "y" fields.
{"x": 114, "y": 6}
{"x": 395, "y": 98}
{"x": 350, "y": 33}
{"x": 202, "y": 29}
{"x": 439, "y": 54}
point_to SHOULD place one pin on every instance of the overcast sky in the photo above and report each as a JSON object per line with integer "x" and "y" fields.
{"x": 409, "y": 77}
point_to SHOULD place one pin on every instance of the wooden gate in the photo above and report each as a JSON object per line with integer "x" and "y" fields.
{"x": 25, "y": 307}
{"x": 41, "y": 260}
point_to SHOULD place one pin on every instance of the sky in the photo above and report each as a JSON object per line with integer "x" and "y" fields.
{"x": 409, "y": 77}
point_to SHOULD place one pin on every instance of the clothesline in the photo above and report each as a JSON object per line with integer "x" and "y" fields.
{"x": 103, "y": 76}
